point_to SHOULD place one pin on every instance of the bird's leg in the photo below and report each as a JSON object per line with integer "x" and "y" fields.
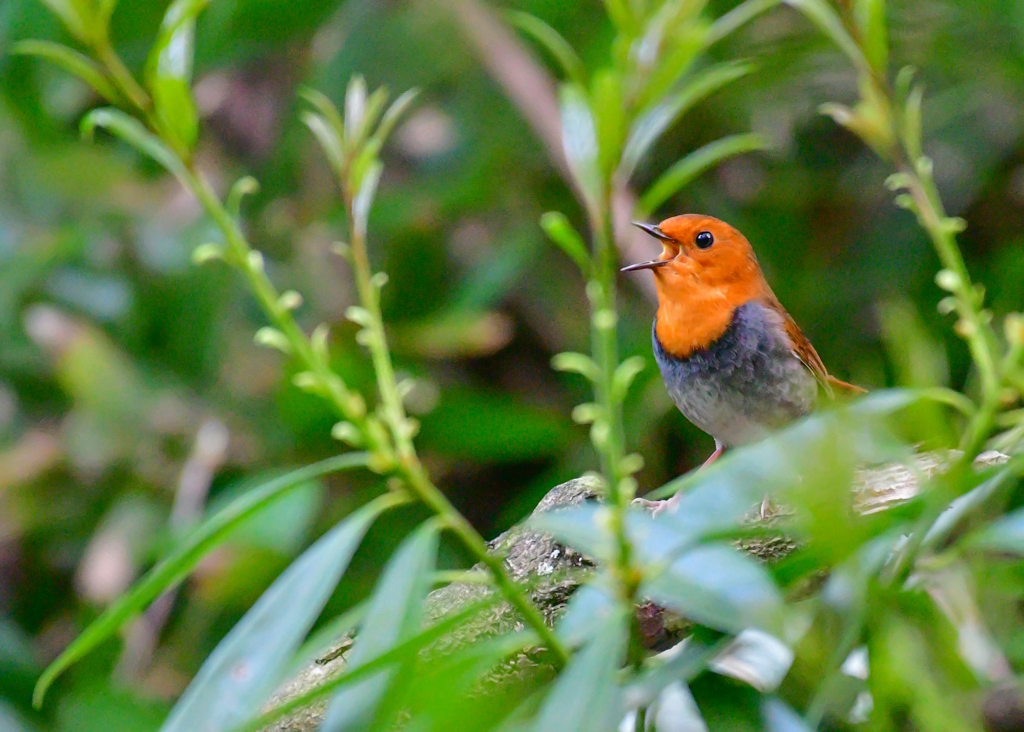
{"x": 672, "y": 503}
{"x": 719, "y": 449}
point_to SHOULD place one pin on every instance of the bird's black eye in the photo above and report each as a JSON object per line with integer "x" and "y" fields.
{"x": 704, "y": 239}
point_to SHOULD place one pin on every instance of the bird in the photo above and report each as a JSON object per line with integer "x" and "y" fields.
{"x": 733, "y": 360}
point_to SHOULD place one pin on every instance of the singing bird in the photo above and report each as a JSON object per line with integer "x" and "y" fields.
{"x": 732, "y": 358}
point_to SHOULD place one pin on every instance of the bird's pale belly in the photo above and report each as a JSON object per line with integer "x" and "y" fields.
{"x": 744, "y": 385}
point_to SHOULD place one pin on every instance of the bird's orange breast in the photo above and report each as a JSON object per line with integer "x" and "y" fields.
{"x": 695, "y": 309}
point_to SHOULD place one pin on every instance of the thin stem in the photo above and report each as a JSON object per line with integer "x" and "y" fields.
{"x": 609, "y": 432}
{"x": 972, "y": 327}
{"x": 409, "y": 467}
{"x": 394, "y": 415}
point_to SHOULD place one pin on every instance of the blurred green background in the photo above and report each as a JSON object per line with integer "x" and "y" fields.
{"x": 132, "y": 398}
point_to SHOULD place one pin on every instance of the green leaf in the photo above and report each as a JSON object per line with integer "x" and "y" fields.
{"x": 737, "y": 17}
{"x": 553, "y": 43}
{"x": 397, "y": 654}
{"x": 247, "y": 665}
{"x": 686, "y": 170}
{"x": 870, "y": 18}
{"x": 745, "y": 475}
{"x": 587, "y": 612}
{"x": 104, "y": 12}
{"x": 621, "y": 15}
{"x": 177, "y": 565}
{"x": 366, "y": 190}
{"x": 393, "y": 615}
{"x": 651, "y": 125}
{"x": 576, "y": 363}
{"x": 325, "y": 107}
{"x": 579, "y": 140}
{"x": 684, "y": 663}
{"x": 586, "y": 698}
{"x": 624, "y": 375}
{"x": 391, "y": 117}
{"x": 780, "y": 717}
{"x": 607, "y": 104}
{"x": 828, "y": 22}
{"x": 78, "y": 16}
{"x": 720, "y": 587}
{"x": 562, "y": 233}
{"x": 72, "y": 61}
{"x": 355, "y": 108}
{"x": 169, "y": 74}
{"x": 1005, "y": 536}
{"x": 131, "y": 131}
{"x": 328, "y": 138}
{"x": 447, "y": 689}
{"x": 912, "y": 121}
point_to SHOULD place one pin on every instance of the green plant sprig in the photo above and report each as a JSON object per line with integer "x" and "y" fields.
{"x": 610, "y": 121}
{"x": 889, "y": 120}
{"x": 352, "y": 144}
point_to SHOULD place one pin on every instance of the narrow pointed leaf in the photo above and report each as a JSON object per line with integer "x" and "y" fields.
{"x": 579, "y": 139}
{"x": 718, "y": 586}
{"x": 562, "y": 233}
{"x": 105, "y": 11}
{"x": 248, "y": 664}
{"x": 76, "y": 15}
{"x": 652, "y": 125}
{"x": 586, "y": 697}
{"x": 694, "y": 164}
{"x": 392, "y": 115}
{"x": 587, "y": 612}
{"x": 732, "y": 485}
{"x": 394, "y": 615}
{"x": 393, "y": 656}
{"x": 328, "y": 139}
{"x": 355, "y": 108}
{"x": 131, "y": 131}
{"x": 778, "y": 716}
{"x": 169, "y": 74}
{"x": 178, "y": 564}
{"x": 367, "y": 189}
{"x": 1005, "y": 535}
{"x": 72, "y": 61}
{"x": 824, "y": 16}
{"x": 738, "y": 17}
{"x": 325, "y": 107}
{"x": 553, "y": 43}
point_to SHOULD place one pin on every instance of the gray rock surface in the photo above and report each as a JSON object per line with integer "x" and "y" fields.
{"x": 554, "y": 572}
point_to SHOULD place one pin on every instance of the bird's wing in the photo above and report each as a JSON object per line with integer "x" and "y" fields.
{"x": 804, "y": 351}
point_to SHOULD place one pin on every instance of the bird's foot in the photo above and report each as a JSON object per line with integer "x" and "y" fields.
{"x": 656, "y": 507}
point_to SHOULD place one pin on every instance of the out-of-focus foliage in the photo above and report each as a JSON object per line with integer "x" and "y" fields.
{"x": 133, "y": 401}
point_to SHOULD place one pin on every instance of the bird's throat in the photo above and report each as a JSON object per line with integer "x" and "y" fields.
{"x": 689, "y": 324}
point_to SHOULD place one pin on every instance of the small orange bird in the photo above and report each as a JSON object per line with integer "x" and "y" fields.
{"x": 733, "y": 360}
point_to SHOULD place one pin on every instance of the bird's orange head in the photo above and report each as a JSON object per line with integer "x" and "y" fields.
{"x": 706, "y": 270}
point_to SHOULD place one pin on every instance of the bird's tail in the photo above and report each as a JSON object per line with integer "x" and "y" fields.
{"x": 843, "y": 387}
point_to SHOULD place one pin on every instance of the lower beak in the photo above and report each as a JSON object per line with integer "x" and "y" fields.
{"x": 657, "y": 233}
{"x": 653, "y": 264}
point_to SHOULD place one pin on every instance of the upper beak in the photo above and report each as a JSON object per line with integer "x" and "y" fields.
{"x": 654, "y": 263}
{"x": 653, "y": 230}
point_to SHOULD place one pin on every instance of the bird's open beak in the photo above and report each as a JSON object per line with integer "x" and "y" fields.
{"x": 654, "y": 263}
